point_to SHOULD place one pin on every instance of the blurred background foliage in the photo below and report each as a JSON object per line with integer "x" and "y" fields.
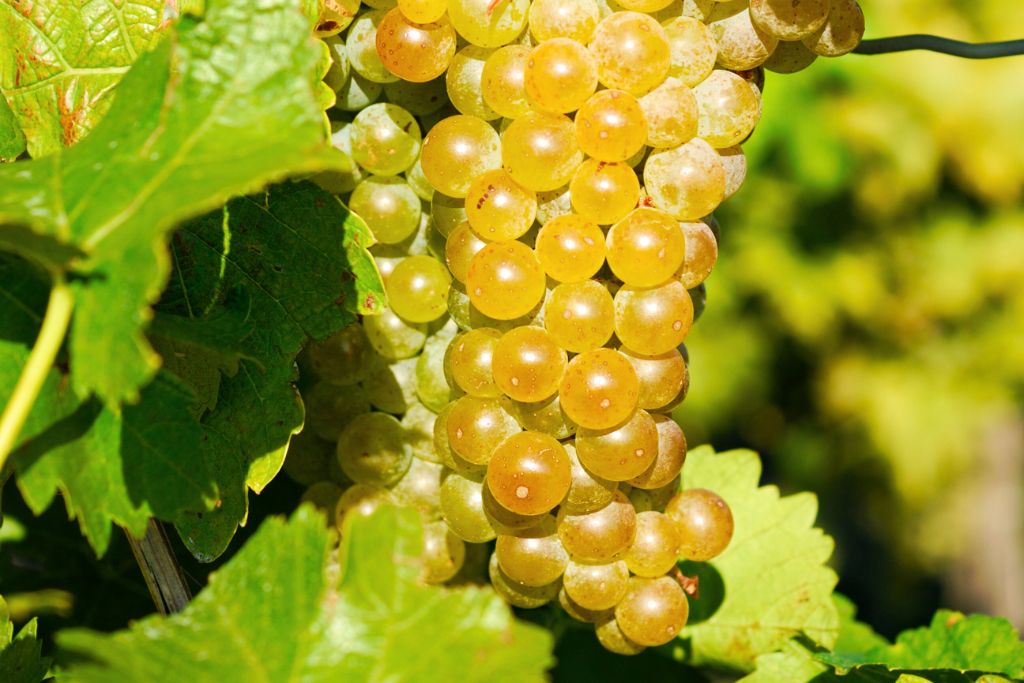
{"x": 865, "y": 326}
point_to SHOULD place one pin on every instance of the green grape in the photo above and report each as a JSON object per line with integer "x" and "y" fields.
{"x": 539, "y": 150}
{"x": 533, "y": 557}
{"x": 450, "y": 458}
{"x": 418, "y": 289}
{"x": 462, "y": 506}
{"x": 344, "y": 180}
{"x": 596, "y": 587}
{"x": 343, "y": 359}
{"x": 420, "y": 488}
{"x": 372, "y": 450}
{"x": 687, "y": 182}
{"x": 574, "y": 19}
{"x": 361, "y": 48}
{"x": 338, "y": 73}
{"x": 663, "y": 377}
{"x": 599, "y": 389}
{"x": 389, "y": 206}
{"x": 419, "y": 99}
{"x": 498, "y": 208}
{"x": 393, "y": 337}
{"x": 416, "y": 244}
{"x": 336, "y": 15}
{"x": 476, "y": 426}
{"x": 323, "y": 495}
{"x": 704, "y": 522}
{"x": 432, "y": 386}
{"x": 614, "y": 640}
{"x": 788, "y": 20}
{"x": 385, "y": 139}
{"x": 552, "y": 204}
{"x": 729, "y": 109}
{"x": 392, "y": 388}
{"x": 600, "y": 536}
{"x": 457, "y": 150}
{"x": 463, "y": 83}
{"x": 443, "y": 553}
{"x": 655, "y": 320}
{"x": 701, "y": 254}
{"x": 329, "y": 408}
{"x": 671, "y": 113}
{"x": 790, "y": 57}
{"x": 460, "y": 248}
{"x": 307, "y": 458}
{"x": 544, "y": 416}
{"x": 447, "y": 213}
{"x": 580, "y": 316}
{"x": 587, "y": 492}
{"x": 655, "y": 549}
{"x": 653, "y": 612}
{"x": 842, "y": 31}
{"x": 742, "y": 45}
{"x": 415, "y": 52}
{"x": 570, "y": 248}
{"x": 604, "y": 192}
{"x": 645, "y": 248}
{"x": 693, "y": 48}
{"x": 418, "y": 423}
{"x": 470, "y": 356}
{"x": 486, "y": 23}
{"x": 579, "y": 613}
{"x": 610, "y": 126}
{"x": 357, "y": 93}
{"x": 503, "y": 81}
{"x": 560, "y": 75}
{"x": 528, "y": 364}
{"x": 505, "y": 280}
{"x": 620, "y": 453}
{"x": 359, "y": 500}
{"x": 529, "y": 473}
{"x": 632, "y": 52}
{"x": 517, "y": 594}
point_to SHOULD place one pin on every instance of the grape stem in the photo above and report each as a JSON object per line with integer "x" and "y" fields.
{"x": 957, "y": 48}
{"x": 40, "y": 360}
{"x": 690, "y": 584}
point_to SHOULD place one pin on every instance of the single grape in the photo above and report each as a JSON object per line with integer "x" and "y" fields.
{"x": 420, "y": 488}
{"x": 604, "y": 192}
{"x": 574, "y": 19}
{"x": 539, "y": 150}
{"x": 503, "y": 81}
{"x": 729, "y": 109}
{"x": 789, "y": 20}
{"x": 580, "y": 316}
{"x": 570, "y": 248}
{"x": 663, "y": 377}
{"x": 687, "y": 182}
{"x": 372, "y": 450}
{"x": 596, "y": 586}
{"x": 486, "y": 23}
{"x": 393, "y": 337}
{"x": 655, "y": 549}
{"x": 392, "y": 388}
{"x": 528, "y": 364}
{"x": 460, "y": 248}
{"x": 614, "y": 640}
{"x": 471, "y": 358}
{"x": 544, "y": 416}
{"x": 468, "y": 317}
{"x": 671, "y": 113}
{"x": 533, "y": 557}
{"x": 704, "y": 522}
{"x": 416, "y": 52}
{"x": 560, "y": 75}
{"x": 653, "y": 612}
{"x": 529, "y": 473}
{"x": 389, "y": 206}
{"x": 632, "y": 52}
{"x": 463, "y": 82}
{"x": 423, "y": 11}
{"x": 655, "y": 320}
{"x": 361, "y": 48}
{"x": 645, "y": 248}
{"x": 443, "y": 553}
{"x": 520, "y": 595}
{"x": 693, "y": 48}
{"x": 329, "y": 408}
{"x": 498, "y": 208}
{"x": 842, "y": 31}
{"x": 505, "y": 280}
{"x": 340, "y": 70}
{"x": 342, "y": 359}
{"x": 359, "y": 500}
{"x": 600, "y": 536}
{"x": 419, "y": 184}
{"x": 610, "y": 126}
{"x": 622, "y": 452}
{"x": 477, "y": 426}
{"x": 450, "y": 458}
{"x": 418, "y": 289}
{"x": 456, "y": 151}
{"x": 462, "y": 506}
{"x": 385, "y": 139}
{"x": 741, "y": 44}
{"x": 323, "y": 495}
{"x": 357, "y": 93}
{"x": 701, "y": 254}
{"x": 599, "y": 389}
{"x": 587, "y": 492}
{"x": 447, "y": 213}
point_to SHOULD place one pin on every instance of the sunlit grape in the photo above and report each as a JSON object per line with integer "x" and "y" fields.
{"x": 789, "y": 19}
{"x": 603, "y": 535}
{"x": 734, "y": 161}
{"x": 687, "y": 182}
{"x": 701, "y": 254}
{"x": 610, "y": 126}
{"x": 416, "y": 52}
{"x": 599, "y": 389}
{"x": 614, "y": 640}
{"x": 443, "y": 553}
{"x": 729, "y": 108}
{"x": 470, "y": 356}
{"x": 653, "y": 612}
{"x": 418, "y": 289}
{"x": 580, "y": 613}
{"x": 337, "y": 15}
{"x": 361, "y": 48}
{"x": 574, "y": 19}
{"x": 520, "y": 595}
{"x": 456, "y": 151}
{"x": 498, "y": 208}
{"x": 560, "y": 75}
{"x": 570, "y": 248}
{"x": 503, "y": 80}
{"x": 693, "y": 48}
{"x": 704, "y": 522}
{"x": 388, "y": 205}
{"x": 393, "y": 337}
{"x": 622, "y": 452}
{"x": 632, "y": 52}
{"x": 654, "y": 320}
{"x": 529, "y": 473}
{"x": 587, "y": 492}
{"x": 505, "y": 280}
{"x": 596, "y": 586}
{"x": 422, "y": 11}
{"x": 663, "y": 377}
{"x": 580, "y": 316}
{"x": 487, "y": 23}
{"x": 741, "y": 44}
{"x": 463, "y": 82}
{"x": 528, "y": 364}
{"x": 671, "y": 113}
{"x": 460, "y": 248}
{"x": 842, "y": 31}
{"x": 603, "y": 192}
{"x": 476, "y": 426}
{"x": 539, "y": 150}
{"x": 385, "y": 139}
{"x": 645, "y": 248}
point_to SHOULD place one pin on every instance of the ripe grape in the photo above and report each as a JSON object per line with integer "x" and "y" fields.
{"x": 614, "y": 640}
{"x": 498, "y": 208}
{"x": 533, "y": 557}
{"x": 655, "y": 549}
{"x": 653, "y": 612}
{"x": 645, "y": 248}
{"x": 789, "y": 20}
{"x": 443, "y": 553}
{"x": 385, "y": 139}
{"x": 587, "y": 492}
{"x": 504, "y": 520}
{"x": 505, "y": 280}
{"x": 462, "y": 506}
{"x": 460, "y": 248}
{"x": 418, "y": 289}
{"x": 704, "y": 522}
{"x": 610, "y": 126}
{"x": 570, "y": 248}
{"x": 842, "y": 31}
{"x": 622, "y": 452}
{"x": 423, "y": 11}
{"x": 488, "y": 24}
{"x": 580, "y": 316}
{"x": 560, "y": 75}
{"x": 450, "y": 458}
{"x": 604, "y": 192}
{"x": 599, "y": 389}
{"x": 476, "y": 426}
{"x": 503, "y": 80}
{"x": 693, "y": 49}
{"x": 471, "y": 357}
{"x": 742, "y": 45}
{"x": 528, "y": 364}
{"x": 372, "y": 450}
{"x": 701, "y": 254}
{"x": 456, "y": 151}
{"x": 574, "y": 19}
{"x": 393, "y": 337}
{"x": 579, "y": 613}
{"x": 600, "y": 536}
{"x": 655, "y": 320}
{"x": 687, "y": 182}
{"x": 544, "y": 416}
{"x": 416, "y": 52}
{"x": 539, "y": 150}
{"x": 361, "y": 48}
{"x": 520, "y": 595}
{"x": 463, "y": 82}
{"x": 729, "y": 108}
{"x": 529, "y": 473}
{"x": 596, "y": 586}
{"x": 389, "y": 206}
{"x": 663, "y": 377}
{"x": 632, "y": 52}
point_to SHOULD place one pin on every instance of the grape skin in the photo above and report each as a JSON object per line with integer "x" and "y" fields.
{"x": 704, "y": 521}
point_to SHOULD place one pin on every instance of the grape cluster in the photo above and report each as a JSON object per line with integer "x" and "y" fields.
{"x": 540, "y": 178}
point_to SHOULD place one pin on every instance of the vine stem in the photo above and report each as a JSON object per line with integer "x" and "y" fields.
{"x": 160, "y": 569}
{"x": 40, "y": 360}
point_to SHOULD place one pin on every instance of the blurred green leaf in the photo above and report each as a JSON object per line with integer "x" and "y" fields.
{"x": 21, "y": 659}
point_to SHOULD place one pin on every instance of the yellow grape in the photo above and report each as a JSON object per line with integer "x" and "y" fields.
{"x": 487, "y": 23}
{"x": 460, "y": 248}
{"x": 471, "y": 358}
{"x": 361, "y": 49}
{"x": 669, "y": 462}
{"x": 599, "y": 389}
{"x": 498, "y": 208}
{"x": 539, "y": 150}
{"x": 645, "y": 248}
{"x": 503, "y": 81}
{"x": 734, "y": 161}
{"x": 610, "y": 126}
{"x": 622, "y": 452}
{"x": 446, "y": 212}
{"x": 596, "y": 586}
{"x": 418, "y": 289}
{"x": 789, "y": 20}
{"x": 687, "y": 182}
{"x": 655, "y": 549}
{"x": 842, "y": 31}
{"x": 632, "y": 52}
{"x": 729, "y": 109}
{"x": 529, "y": 473}
{"x": 672, "y": 114}
{"x": 447, "y": 456}
{"x": 704, "y": 522}
{"x": 574, "y": 19}
{"x": 570, "y": 248}
{"x": 654, "y": 320}
{"x": 580, "y": 316}
{"x": 534, "y": 556}
{"x": 528, "y": 364}
{"x": 518, "y": 594}
{"x": 603, "y": 535}
{"x": 423, "y": 11}
{"x": 580, "y": 613}
{"x": 701, "y": 254}
{"x": 604, "y": 192}
{"x": 415, "y": 52}
{"x": 560, "y": 75}
{"x": 694, "y": 49}
{"x": 649, "y": 6}
{"x": 457, "y": 150}
{"x": 476, "y": 426}
{"x": 663, "y": 377}
{"x": 463, "y": 80}
{"x": 505, "y": 280}
{"x": 653, "y": 612}
{"x": 505, "y": 521}
{"x": 741, "y": 44}
{"x": 790, "y": 57}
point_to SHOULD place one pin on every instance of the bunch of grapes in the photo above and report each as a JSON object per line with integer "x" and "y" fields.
{"x": 544, "y": 248}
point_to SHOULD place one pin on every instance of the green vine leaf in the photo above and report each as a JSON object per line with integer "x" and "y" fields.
{"x": 219, "y": 108}
{"x": 21, "y": 659}
{"x": 285, "y": 616}
{"x": 12, "y": 139}
{"x": 772, "y": 583}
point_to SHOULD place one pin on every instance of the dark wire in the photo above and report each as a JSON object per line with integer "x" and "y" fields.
{"x": 879, "y": 46}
